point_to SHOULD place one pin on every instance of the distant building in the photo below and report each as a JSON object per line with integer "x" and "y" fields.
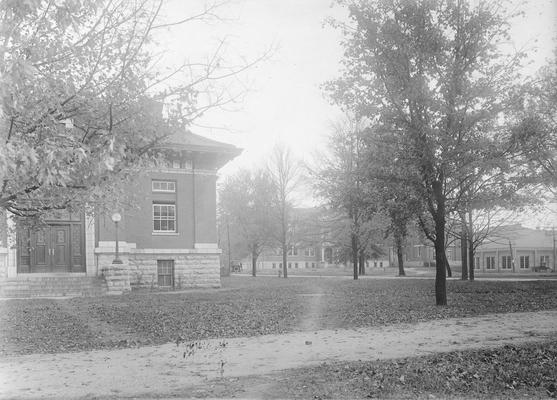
{"x": 318, "y": 242}
{"x": 510, "y": 248}
{"x": 514, "y": 248}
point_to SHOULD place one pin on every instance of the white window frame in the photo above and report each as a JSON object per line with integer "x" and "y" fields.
{"x": 170, "y": 186}
{"x": 490, "y": 262}
{"x": 309, "y": 252}
{"x": 164, "y": 218}
{"x": 506, "y": 262}
{"x": 524, "y": 262}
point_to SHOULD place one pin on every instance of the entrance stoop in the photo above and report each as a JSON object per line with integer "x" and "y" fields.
{"x": 51, "y": 285}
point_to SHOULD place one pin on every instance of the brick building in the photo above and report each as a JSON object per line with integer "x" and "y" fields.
{"x": 170, "y": 240}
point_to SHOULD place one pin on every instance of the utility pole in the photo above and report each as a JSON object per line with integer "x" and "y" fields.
{"x": 512, "y": 256}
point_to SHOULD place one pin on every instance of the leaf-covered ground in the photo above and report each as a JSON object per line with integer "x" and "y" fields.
{"x": 250, "y": 306}
{"x": 525, "y": 371}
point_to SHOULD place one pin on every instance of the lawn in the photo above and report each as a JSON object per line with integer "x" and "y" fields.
{"x": 522, "y": 371}
{"x": 250, "y": 306}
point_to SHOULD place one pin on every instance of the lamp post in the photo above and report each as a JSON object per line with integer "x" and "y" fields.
{"x": 116, "y": 217}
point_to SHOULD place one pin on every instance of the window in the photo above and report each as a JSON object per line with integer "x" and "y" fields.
{"x": 165, "y": 273}
{"x": 280, "y": 265}
{"x": 490, "y": 262}
{"x": 164, "y": 186}
{"x": 292, "y": 251}
{"x": 476, "y": 262}
{"x": 164, "y": 218}
{"x": 307, "y": 264}
{"x": 295, "y": 265}
{"x": 289, "y": 265}
{"x": 524, "y": 262}
{"x": 176, "y": 164}
{"x": 309, "y": 252}
{"x": 506, "y": 262}
{"x": 312, "y": 265}
{"x": 274, "y": 265}
{"x": 380, "y": 264}
{"x": 544, "y": 261}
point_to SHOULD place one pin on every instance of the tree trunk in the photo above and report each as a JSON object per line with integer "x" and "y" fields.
{"x": 253, "y": 263}
{"x": 284, "y": 260}
{"x": 400, "y": 258}
{"x": 354, "y": 240}
{"x": 400, "y": 262}
{"x": 464, "y": 254}
{"x": 447, "y": 265}
{"x": 284, "y": 226}
{"x": 440, "y": 274}
{"x": 440, "y": 258}
{"x": 362, "y": 261}
{"x": 471, "y": 246}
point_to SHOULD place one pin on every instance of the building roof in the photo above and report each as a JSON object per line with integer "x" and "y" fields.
{"x": 519, "y": 237}
{"x": 191, "y": 142}
{"x": 203, "y": 148}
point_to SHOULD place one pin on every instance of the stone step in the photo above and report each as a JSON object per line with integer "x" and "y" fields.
{"x": 52, "y": 287}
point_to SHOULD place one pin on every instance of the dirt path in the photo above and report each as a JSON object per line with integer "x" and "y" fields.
{"x": 171, "y": 368}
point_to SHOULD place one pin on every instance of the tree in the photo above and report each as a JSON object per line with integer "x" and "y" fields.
{"x": 340, "y": 180}
{"x": 84, "y": 101}
{"x": 284, "y": 173}
{"x": 479, "y": 225}
{"x": 433, "y": 73}
{"x": 393, "y": 197}
{"x": 245, "y": 200}
{"x": 535, "y": 132}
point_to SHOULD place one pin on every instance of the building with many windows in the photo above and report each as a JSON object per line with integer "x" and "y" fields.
{"x": 168, "y": 240}
{"x": 510, "y": 248}
{"x": 319, "y": 240}
{"x": 515, "y": 248}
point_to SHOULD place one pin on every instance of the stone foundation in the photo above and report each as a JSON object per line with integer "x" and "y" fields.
{"x": 117, "y": 278}
{"x": 194, "y": 269}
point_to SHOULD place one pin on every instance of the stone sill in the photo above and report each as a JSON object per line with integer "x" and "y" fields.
{"x": 51, "y": 274}
{"x": 129, "y": 252}
{"x": 177, "y": 251}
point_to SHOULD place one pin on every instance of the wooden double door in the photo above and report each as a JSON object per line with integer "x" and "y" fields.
{"x": 57, "y": 247}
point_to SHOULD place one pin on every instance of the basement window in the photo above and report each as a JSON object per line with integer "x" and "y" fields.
{"x": 165, "y": 273}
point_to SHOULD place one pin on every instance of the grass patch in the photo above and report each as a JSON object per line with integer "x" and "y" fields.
{"x": 528, "y": 370}
{"x": 248, "y": 307}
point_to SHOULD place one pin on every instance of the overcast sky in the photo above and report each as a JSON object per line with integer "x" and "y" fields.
{"x": 285, "y": 102}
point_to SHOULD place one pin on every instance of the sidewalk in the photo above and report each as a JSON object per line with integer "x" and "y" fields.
{"x": 170, "y": 368}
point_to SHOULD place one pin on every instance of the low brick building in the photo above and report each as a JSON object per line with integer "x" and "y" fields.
{"x": 514, "y": 248}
